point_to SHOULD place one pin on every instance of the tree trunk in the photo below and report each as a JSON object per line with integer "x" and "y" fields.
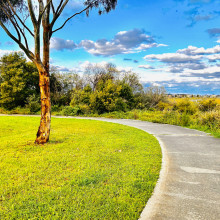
{"x": 44, "y": 82}
{"x": 44, "y": 128}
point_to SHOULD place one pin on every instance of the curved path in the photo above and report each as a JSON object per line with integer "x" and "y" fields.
{"x": 189, "y": 184}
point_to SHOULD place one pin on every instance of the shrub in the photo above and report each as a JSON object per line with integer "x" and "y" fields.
{"x": 186, "y": 106}
{"x": 70, "y": 111}
{"x": 185, "y": 119}
{"x": 55, "y": 108}
{"x": 33, "y": 103}
{"x": 163, "y": 105}
{"x": 207, "y": 104}
{"x": 152, "y": 96}
{"x": 211, "y": 118}
{"x": 84, "y": 109}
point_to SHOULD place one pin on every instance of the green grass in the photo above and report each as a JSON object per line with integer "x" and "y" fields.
{"x": 89, "y": 170}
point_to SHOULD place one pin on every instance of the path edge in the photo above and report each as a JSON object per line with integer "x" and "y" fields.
{"x": 151, "y": 208}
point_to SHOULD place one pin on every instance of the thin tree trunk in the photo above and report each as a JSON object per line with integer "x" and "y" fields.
{"x": 44, "y": 83}
{"x": 44, "y": 128}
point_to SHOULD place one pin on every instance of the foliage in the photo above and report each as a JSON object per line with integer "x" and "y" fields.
{"x": 133, "y": 80}
{"x": 89, "y": 170}
{"x": 151, "y": 97}
{"x": 81, "y": 96}
{"x": 185, "y": 105}
{"x": 61, "y": 86}
{"x": 104, "y": 91}
{"x": 207, "y": 104}
{"x": 110, "y": 97}
{"x": 186, "y": 114}
{"x": 71, "y": 111}
{"x": 33, "y": 103}
{"x": 102, "y": 5}
{"x": 15, "y": 3}
{"x": 19, "y": 80}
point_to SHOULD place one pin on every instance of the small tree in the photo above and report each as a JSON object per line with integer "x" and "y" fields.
{"x": 95, "y": 74}
{"x": 43, "y": 15}
{"x": 153, "y": 95}
{"x": 19, "y": 80}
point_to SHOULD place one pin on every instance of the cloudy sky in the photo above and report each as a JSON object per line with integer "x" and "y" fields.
{"x": 173, "y": 43}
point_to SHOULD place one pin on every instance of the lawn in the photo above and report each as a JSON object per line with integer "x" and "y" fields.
{"x": 88, "y": 170}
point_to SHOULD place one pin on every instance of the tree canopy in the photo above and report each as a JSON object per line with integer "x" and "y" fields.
{"x": 19, "y": 80}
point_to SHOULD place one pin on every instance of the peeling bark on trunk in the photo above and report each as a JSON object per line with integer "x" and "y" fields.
{"x": 44, "y": 128}
{"x": 44, "y": 82}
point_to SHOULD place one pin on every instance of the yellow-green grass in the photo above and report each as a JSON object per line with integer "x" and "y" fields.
{"x": 88, "y": 170}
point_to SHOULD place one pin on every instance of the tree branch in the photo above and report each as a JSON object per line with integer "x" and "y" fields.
{"x": 23, "y": 34}
{"x": 29, "y": 54}
{"x": 7, "y": 13}
{"x": 42, "y": 9}
{"x": 58, "y": 8}
{"x": 57, "y": 14}
{"x": 31, "y": 10}
{"x": 53, "y": 9}
{"x": 12, "y": 8}
{"x": 71, "y": 18}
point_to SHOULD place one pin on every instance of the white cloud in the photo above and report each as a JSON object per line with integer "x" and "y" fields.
{"x": 148, "y": 46}
{"x": 191, "y": 50}
{"x": 75, "y": 4}
{"x": 102, "y": 64}
{"x": 61, "y": 68}
{"x": 213, "y": 57}
{"x": 185, "y": 69}
{"x": 124, "y": 42}
{"x": 146, "y": 67}
{"x": 87, "y": 64}
{"x": 210, "y": 71}
{"x": 5, "y": 52}
{"x": 61, "y": 44}
{"x": 173, "y": 57}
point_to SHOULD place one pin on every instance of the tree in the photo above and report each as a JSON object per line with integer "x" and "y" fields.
{"x": 153, "y": 95}
{"x": 62, "y": 86}
{"x": 94, "y": 74}
{"x": 106, "y": 90}
{"x": 19, "y": 80}
{"x": 43, "y": 15}
{"x": 133, "y": 81}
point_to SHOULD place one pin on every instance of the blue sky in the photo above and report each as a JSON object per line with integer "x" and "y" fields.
{"x": 172, "y": 43}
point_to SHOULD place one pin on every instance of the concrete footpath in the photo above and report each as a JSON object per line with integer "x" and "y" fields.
{"x": 189, "y": 184}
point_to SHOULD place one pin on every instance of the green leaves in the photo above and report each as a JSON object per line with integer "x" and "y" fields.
{"x": 15, "y": 3}
{"x": 19, "y": 79}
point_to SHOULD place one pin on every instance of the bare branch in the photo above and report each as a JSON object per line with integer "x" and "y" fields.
{"x": 23, "y": 34}
{"x": 31, "y": 10}
{"x": 58, "y": 8}
{"x": 53, "y": 9}
{"x": 41, "y": 13}
{"x": 7, "y": 13}
{"x": 70, "y": 18}
{"x": 58, "y": 12}
{"x": 29, "y": 54}
{"x": 42, "y": 9}
{"x": 12, "y": 8}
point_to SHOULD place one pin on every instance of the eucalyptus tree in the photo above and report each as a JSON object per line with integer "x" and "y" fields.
{"x": 15, "y": 19}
